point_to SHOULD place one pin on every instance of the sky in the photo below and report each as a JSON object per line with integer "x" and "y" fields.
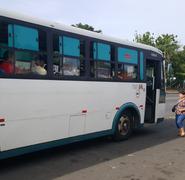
{"x": 117, "y": 18}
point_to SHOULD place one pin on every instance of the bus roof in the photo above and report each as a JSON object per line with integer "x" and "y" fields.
{"x": 54, "y": 25}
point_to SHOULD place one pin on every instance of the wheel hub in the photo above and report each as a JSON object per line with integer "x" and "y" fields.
{"x": 123, "y": 125}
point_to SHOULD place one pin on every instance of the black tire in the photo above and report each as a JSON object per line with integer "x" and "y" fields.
{"x": 124, "y": 127}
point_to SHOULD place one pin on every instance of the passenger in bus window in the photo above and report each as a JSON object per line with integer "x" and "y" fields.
{"x": 38, "y": 67}
{"x": 6, "y": 66}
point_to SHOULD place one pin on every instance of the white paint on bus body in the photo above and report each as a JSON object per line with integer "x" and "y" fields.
{"x": 38, "y": 111}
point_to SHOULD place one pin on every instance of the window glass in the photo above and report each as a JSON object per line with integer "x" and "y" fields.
{"x": 22, "y": 61}
{"x": 127, "y": 56}
{"x": 127, "y": 72}
{"x": 6, "y": 61}
{"x": 71, "y": 67}
{"x": 26, "y": 38}
{"x": 71, "y": 46}
{"x": 101, "y": 51}
{"x": 101, "y": 70}
{"x": 63, "y": 48}
{"x": 23, "y": 37}
{"x": 68, "y": 66}
{"x": 30, "y": 63}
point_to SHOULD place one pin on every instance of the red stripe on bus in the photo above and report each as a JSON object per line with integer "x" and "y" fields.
{"x": 2, "y": 120}
{"x": 84, "y": 111}
{"x": 117, "y": 108}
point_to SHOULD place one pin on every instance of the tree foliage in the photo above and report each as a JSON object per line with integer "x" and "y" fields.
{"x": 179, "y": 65}
{"x": 168, "y": 44}
{"x": 170, "y": 47}
{"x": 86, "y": 27}
{"x": 146, "y": 38}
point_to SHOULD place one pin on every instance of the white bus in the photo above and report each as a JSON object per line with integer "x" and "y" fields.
{"x": 61, "y": 84}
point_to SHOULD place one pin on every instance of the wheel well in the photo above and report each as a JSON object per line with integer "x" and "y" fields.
{"x": 136, "y": 116}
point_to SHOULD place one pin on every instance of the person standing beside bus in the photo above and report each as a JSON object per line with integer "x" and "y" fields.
{"x": 180, "y": 113}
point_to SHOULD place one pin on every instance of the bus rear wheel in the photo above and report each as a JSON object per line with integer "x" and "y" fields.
{"x": 123, "y": 127}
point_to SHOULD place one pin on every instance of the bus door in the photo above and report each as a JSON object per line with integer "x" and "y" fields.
{"x": 151, "y": 78}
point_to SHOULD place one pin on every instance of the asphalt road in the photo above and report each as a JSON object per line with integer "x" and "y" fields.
{"x": 152, "y": 153}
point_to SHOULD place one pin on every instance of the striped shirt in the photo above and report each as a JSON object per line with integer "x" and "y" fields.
{"x": 180, "y": 107}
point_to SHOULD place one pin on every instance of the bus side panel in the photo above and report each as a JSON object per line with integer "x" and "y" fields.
{"x": 39, "y": 111}
{"x": 160, "y": 107}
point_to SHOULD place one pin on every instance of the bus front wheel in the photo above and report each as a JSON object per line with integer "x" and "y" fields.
{"x": 123, "y": 127}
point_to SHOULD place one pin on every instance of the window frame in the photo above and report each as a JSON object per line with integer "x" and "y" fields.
{"x": 87, "y": 59}
{"x": 14, "y": 49}
{"x": 62, "y": 56}
{"x": 95, "y": 60}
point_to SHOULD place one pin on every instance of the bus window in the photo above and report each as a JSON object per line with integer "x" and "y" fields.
{"x": 6, "y": 61}
{"x": 68, "y": 56}
{"x": 30, "y": 42}
{"x": 25, "y": 38}
{"x": 127, "y": 64}
{"x": 23, "y": 62}
{"x": 127, "y": 72}
{"x": 30, "y": 63}
{"x": 71, "y": 67}
{"x": 101, "y": 69}
{"x": 127, "y": 56}
{"x": 101, "y": 66}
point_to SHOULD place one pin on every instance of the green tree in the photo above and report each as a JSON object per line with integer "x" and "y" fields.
{"x": 179, "y": 66}
{"x": 146, "y": 38}
{"x": 168, "y": 44}
{"x": 87, "y": 27}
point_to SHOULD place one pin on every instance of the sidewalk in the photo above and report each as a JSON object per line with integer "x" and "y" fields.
{"x": 171, "y": 91}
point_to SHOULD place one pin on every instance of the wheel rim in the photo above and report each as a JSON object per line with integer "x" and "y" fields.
{"x": 124, "y": 125}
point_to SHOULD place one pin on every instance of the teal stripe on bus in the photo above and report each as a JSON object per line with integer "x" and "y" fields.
{"x": 141, "y": 66}
{"x": 52, "y": 144}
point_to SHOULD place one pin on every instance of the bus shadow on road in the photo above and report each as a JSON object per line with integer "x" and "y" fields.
{"x": 57, "y": 162}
